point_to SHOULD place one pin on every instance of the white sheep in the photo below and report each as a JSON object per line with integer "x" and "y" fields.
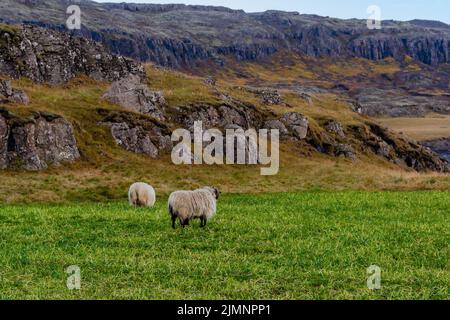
{"x": 141, "y": 194}
{"x": 197, "y": 204}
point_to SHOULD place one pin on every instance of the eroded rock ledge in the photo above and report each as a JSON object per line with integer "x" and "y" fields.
{"x": 53, "y": 57}
{"x": 35, "y": 142}
{"x": 138, "y": 133}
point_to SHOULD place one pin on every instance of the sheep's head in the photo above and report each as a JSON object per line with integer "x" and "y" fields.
{"x": 214, "y": 191}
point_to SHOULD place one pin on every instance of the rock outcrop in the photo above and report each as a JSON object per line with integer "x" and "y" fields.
{"x": 147, "y": 32}
{"x": 9, "y": 94}
{"x": 268, "y": 96}
{"x": 133, "y": 95}
{"x": 440, "y": 146}
{"x": 336, "y": 128}
{"x": 377, "y": 102}
{"x": 53, "y": 57}
{"x": 219, "y": 116}
{"x": 397, "y": 149}
{"x": 292, "y": 126}
{"x": 297, "y": 124}
{"x": 138, "y": 134}
{"x": 35, "y": 142}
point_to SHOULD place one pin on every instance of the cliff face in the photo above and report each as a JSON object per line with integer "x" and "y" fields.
{"x": 47, "y": 56}
{"x": 35, "y": 142}
{"x": 179, "y": 35}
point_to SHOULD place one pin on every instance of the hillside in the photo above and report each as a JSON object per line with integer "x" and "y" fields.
{"x": 182, "y": 36}
{"x": 325, "y": 145}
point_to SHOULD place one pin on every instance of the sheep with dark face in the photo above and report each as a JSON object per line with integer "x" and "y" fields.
{"x": 141, "y": 195}
{"x": 189, "y": 205}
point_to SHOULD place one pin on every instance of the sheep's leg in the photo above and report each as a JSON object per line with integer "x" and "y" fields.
{"x": 201, "y": 222}
{"x": 174, "y": 219}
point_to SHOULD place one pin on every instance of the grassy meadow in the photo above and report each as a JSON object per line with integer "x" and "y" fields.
{"x": 431, "y": 127}
{"x": 309, "y": 232}
{"x": 310, "y": 245}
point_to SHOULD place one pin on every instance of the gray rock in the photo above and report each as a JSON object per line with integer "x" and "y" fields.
{"x": 297, "y": 123}
{"x": 48, "y": 56}
{"x": 132, "y": 95}
{"x": 8, "y": 94}
{"x": 278, "y": 125}
{"x": 336, "y": 128}
{"x": 138, "y": 134}
{"x": 136, "y": 139}
{"x": 384, "y": 149}
{"x": 35, "y": 143}
{"x": 268, "y": 96}
{"x": 345, "y": 150}
{"x": 180, "y": 35}
{"x": 221, "y": 116}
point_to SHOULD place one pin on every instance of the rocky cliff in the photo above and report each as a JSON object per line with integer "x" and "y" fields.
{"x": 180, "y": 35}
{"x": 33, "y": 143}
{"x": 142, "y": 120}
{"x": 48, "y": 56}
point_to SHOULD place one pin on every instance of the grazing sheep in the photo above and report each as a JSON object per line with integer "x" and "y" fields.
{"x": 141, "y": 194}
{"x": 188, "y": 205}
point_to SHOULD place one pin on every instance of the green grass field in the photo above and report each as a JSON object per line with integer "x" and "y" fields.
{"x": 314, "y": 245}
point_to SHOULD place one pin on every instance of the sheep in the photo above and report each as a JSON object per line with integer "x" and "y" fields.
{"x": 197, "y": 204}
{"x": 141, "y": 194}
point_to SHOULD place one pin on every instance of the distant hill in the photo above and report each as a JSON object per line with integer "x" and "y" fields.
{"x": 180, "y": 36}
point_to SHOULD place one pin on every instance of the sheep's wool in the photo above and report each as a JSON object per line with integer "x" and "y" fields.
{"x": 188, "y": 205}
{"x": 142, "y": 194}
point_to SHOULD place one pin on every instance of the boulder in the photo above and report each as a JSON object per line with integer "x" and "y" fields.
{"x": 268, "y": 96}
{"x": 56, "y": 57}
{"x": 297, "y": 123}
{"x": 336, "y": 128}
{"x": 138, "y": 134}
{"x": 36, "y": 142}
{"x": 344, "y": 150}
{"x": 219, "y": 116}
{"x": 8, "y": 94}
{"x": 277, "y": 125}
{"x": 136, "y": 139}
{"x": 135, "y": 96}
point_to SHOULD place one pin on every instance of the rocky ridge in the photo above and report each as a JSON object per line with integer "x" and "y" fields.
{"x": 145, "y": 124}
{"x": 147, "y": 32}
{"x": 48, "y": 56}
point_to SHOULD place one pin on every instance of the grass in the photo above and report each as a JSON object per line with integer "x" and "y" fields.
{"x": 313, "y": 245}
{"x": 105, "y": 170}
{"x": 431, "y": 127}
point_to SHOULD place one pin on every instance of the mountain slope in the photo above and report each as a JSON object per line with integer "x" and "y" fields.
{"x": 180, "y": 35}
